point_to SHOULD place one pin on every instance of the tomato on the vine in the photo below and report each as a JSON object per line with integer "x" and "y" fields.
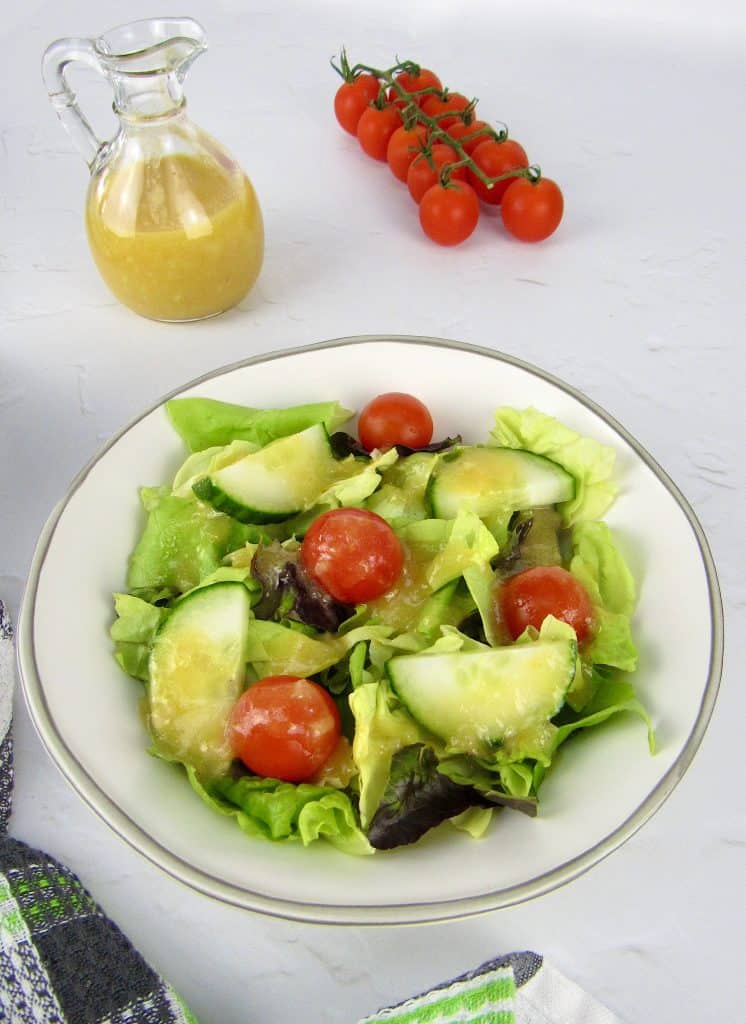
{"x": 449, "y": 214}
{"x": 403, "y": 147}
{"x": 375, "y": 128}
{"x": 395, "y": 418}
{"x": 284, "y": 727}
{"x": 352, "y": 98}
{"x": 421, "y": 176}
{"x": 493, "y": 159}
{"x": 354, "y": 554}
{"x": 532, "y": 210}
{"x": 460, "y": 131}
{"x": 426, "y": 79}
{"x": 528, "y": 597}
{"x": 435, "y": 106}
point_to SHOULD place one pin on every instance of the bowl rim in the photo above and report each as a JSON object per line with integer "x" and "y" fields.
{"x": 385, "y": 914}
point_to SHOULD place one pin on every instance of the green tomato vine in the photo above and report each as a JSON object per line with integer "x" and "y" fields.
{"x": 412, "y": 114}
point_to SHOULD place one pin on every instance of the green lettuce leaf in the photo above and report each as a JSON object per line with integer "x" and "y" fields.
{"x": 203, "y": 463}
{"x": 612, "y": 697}
{"x": 469, "y": 544}
{"x": 588, "y": 461}
{"x": 382, "y": 728}
{"x": 504, "y": 785}
{"x": 448, "y": 606}
{"x": 598, "y": 564}
{"x": 205, "y": 422}
{"x": 277, "y": 649}
{"x": 401, "y": 498}
{"x": 183, "y": 541}
{"x": 474, "y": 821}
{"x": 284, "y": 811}
{"x": 133, "y": 632}
{"x": 363, "y": 480}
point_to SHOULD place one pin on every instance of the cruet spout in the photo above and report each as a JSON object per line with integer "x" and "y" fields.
{"x": 153, "y": 46}
{"x": 145, "y": 61}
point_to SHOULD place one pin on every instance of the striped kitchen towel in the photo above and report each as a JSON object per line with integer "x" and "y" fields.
{"x": 520, "y": 988}
{"x": 63, "y": 961}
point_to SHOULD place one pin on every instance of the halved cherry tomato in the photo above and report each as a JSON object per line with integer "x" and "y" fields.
{"x": 532, "y": 210}
{"x": 460, "y": 131}
{"x": 415, "y": 83}
{"x": 284, "y": 727}
{"x": 352, "y": 98}
{"x": 528, "y": 597}
{"x": 449, "y": 214}
{"x": 496, "y": 158}
{"x": 403, "y": 147}
{"x": 375, "y": 128}
{"x": 435, "y": 106}
{"x": 354, "y": 554}
{"x": 395, "y": 418}
{"x": 421, "y": 176}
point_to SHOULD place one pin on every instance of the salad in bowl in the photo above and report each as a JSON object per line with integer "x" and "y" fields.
{"x": 359, "y": 637}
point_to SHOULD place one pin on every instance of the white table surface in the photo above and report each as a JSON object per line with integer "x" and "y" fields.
{"x": 638, "y": 110}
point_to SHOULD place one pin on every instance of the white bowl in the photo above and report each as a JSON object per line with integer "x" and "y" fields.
{"x": 604, "y": 787}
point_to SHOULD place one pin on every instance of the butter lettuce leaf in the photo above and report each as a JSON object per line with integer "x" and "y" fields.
{"x": 612, "y": 697}
{"x": 588, "y": 461}
{"x": 382, "y": 728}
{"x": 183, "y": 541}
{"x": 283, "y": 811}
{"x": 133, "y": 632}
{"x": 276, "y": 649}
{"x": 205, "y": 422}
{"x": 599, "y": 565}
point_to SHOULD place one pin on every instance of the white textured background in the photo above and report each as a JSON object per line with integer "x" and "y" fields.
{"x": 637, "y": 109}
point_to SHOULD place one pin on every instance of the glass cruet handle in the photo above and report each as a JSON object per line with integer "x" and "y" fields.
{"x": 55, "y": 61}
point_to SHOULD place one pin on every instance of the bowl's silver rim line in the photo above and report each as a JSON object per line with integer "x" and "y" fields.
{"x": 385, "y": 914}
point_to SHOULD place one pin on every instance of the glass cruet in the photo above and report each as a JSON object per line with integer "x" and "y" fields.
{"x": 173, "y": 222}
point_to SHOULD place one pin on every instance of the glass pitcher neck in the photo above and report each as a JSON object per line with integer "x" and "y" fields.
{"x": 147, "y": 97}
{"x": 146, "y": 63}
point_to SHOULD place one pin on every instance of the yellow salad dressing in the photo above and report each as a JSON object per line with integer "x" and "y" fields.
{"x": 188, "y": 245}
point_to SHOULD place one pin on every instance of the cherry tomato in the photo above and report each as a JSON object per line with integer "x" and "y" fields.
{"x": 421, "y": 176}
{"x": 375, "y": 128}
{"x": 532, "y": 210}
{"x": 496, "y": 158}
{"x": 449, "y": 214}
{"x": 284, "y": 727}
{"x": 403, "y": 147}
{"x": 459, "y": 131}
{"x": 434, "y": 106}
{"x": 527, "y": 598}
{"x": 395, "y": 418}
{"x": 352, "y": 98}
{"x": 415, "y": 83}
{"x": 354, "y": 554}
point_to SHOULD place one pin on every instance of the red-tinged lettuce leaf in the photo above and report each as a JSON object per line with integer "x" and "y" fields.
{"x": 417, "y": 798}
{"x": 344, "y": 444}
{"x": 289, "y": 592}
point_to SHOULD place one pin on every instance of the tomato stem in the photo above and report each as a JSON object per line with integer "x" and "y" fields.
{"x": 344, "y": 67}
{"x": 413, "y": 114}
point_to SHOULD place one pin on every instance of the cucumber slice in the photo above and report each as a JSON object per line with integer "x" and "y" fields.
{"x": 277, "y": 482}
{"x": 197, "y": 670}
{"x": 476, "y": 700}
{"x": 489, "y": 480}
